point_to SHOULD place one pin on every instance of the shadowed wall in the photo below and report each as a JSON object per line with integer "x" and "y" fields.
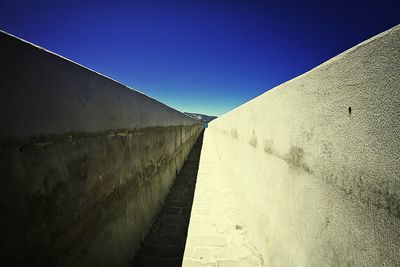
{"x": 85, "y": 162}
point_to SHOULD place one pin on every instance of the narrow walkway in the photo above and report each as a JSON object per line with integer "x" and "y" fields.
{"x": 165, "y": 243}
{"x": 217, "y": 236}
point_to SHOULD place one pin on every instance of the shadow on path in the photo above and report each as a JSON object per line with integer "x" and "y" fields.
{"x": 165, "y": 243}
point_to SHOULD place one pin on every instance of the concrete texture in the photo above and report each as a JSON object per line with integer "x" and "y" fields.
{"x": 314, "y": 163}
{"x": 217, "y": 233}
{"x": 44, "y": 96}
{"x": 85, "y": 162}
{"x": 165, "y": 243}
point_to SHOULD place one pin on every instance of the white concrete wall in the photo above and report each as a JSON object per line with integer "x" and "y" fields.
{"x": 320, "y": 185}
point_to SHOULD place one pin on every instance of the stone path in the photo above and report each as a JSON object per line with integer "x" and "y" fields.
{"x": 217, "y": 235}
{"x": 165, "y": 243}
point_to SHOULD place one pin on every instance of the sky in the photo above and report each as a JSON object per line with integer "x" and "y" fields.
{"x": 198, "y": 56}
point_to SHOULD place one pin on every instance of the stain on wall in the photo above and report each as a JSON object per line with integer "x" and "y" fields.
{"x": 295, "y": 159}
{"x": 269, "y": 146}
{"x": 253, "y": 141}
{"x": 234, "y": 134}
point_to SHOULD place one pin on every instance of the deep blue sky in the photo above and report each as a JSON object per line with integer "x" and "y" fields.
{"x": 199, "y": 56}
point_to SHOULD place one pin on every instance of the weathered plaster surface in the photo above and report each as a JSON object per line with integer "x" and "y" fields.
{"x": 85, "y": 163}
{"x": 315, "y": 164}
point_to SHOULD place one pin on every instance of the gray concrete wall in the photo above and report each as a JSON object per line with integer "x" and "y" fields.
{"x": 315, "y": 162}
{"x": 85, "y": 162}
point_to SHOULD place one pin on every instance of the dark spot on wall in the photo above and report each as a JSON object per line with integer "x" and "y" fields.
{"x": 368, "y": 191}
{"x": 268, "y": 146}
{"x": 253, "y": 140}
{"x": 234, "y": 134}
{"x": 307, "y": 168}
{"x": 349, "y": 110}
{"x": 21, "y": 148}
{"x": 295, "y": 159}
{"x": 295, "y": 156}
{"x": 308, "y": 135}
{"x": 327, "y": 221}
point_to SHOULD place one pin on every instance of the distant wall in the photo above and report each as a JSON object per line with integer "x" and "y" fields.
{"x": 85, "y": 162}
{"x": 315, "y": 161}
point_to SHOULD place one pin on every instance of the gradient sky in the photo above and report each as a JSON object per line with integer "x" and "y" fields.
{"x": 199, "y": 56}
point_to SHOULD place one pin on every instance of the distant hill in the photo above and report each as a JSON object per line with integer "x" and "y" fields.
{"x": 201, "y": 117}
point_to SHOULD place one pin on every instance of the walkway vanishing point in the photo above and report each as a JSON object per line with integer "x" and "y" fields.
{"x": 165, "y": 243}
{"x": 306, "y": 174}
